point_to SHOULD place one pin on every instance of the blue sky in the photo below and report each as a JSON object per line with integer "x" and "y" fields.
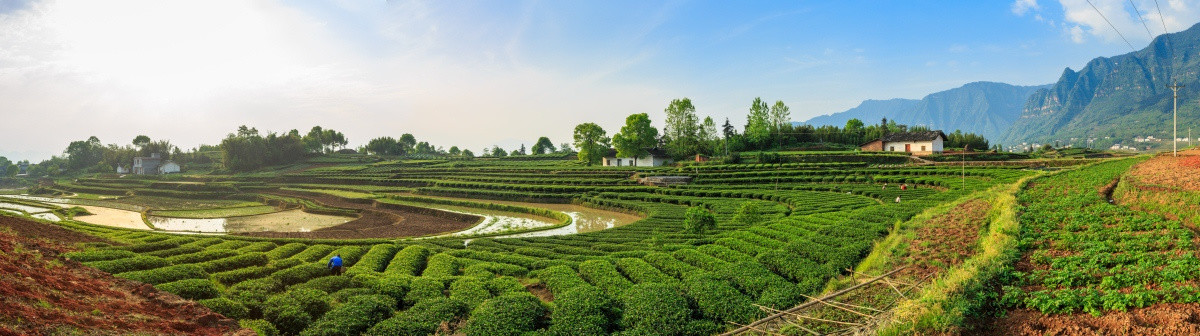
{"x": 480, "y": 73}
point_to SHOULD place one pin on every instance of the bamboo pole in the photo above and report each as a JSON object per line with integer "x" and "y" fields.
{"x": 807, "y": 304}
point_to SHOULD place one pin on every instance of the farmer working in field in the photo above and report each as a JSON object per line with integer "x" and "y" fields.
{"x": 335, "y": 264}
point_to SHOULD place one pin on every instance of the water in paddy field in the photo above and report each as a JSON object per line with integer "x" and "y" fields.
{"x": 47, "y": 216}
{"x": 22, "y": 207}
{"x": 214, "y": 225}
{"x": 584, "y": 219}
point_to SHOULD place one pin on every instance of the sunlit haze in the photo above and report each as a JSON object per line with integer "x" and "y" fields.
{"x": 481, "y": 73}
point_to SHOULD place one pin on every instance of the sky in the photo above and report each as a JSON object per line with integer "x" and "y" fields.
{"x": 479, "y": 73}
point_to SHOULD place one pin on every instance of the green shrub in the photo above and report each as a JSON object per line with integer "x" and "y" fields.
{"x": 560, "y": 279}
{"x": 506, "y": 315}
{"x": 423, "y": 288}
{"x": 166, "y": 274}
{"x": 253, "y": 293}
{"x": 289, "y": 319}
{"x": 235, "y": 262}
{"x": 377, "y": 258}
{"x": 99, "y": 255}
{"x": 583, "y": 310}
{"x": 409, "y": 261}
{"x": 394, "y": 286}
{"x": 420, "y": 320}
{"x": 505, "y": 284}
{"x": 345, "y": 294}
{"x": 300, "y": 274}
{"x": 260, "y": 327}
{"x": 353, "y": 317}
{"x": 186, "y": 249}
{"x": 470, "y": 291}
{"x": 286, "y": 251}
{"x": 192, "y": 289}
{"x": 314, "y": 253}
{"x": 137, "y": 263}
{"x": 331, "y": 284}
{"x": 605, "y": 276}
{"x": 442, "y": 265}
{"x": 699, "y": 220}
{"x": 654, "y": 309}
{"x": 230, "y": 278}
{"x": 718, "y": 300}
{"x": 201, "y": 256}
{"x": 641, "y": 271}
{"x": 228, "y": 308}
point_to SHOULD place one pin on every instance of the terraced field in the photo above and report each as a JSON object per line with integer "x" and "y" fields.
{"x": 648, "y": 277}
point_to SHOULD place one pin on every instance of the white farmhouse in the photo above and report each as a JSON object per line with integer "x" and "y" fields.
{"x": 916, "y": 143}
{"x": 168, "y": 168}
{"x": 655, "y": 157}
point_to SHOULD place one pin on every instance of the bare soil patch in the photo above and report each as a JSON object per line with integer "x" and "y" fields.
{"x": 376, "y": 221}
{"x": 946, "y": 240}
{"x": 1158, "y": 320}
{"x": 42, "y": 294}
{"x": 35, "y": 230}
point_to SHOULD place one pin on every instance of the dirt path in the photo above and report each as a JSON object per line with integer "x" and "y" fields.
{"x": 42, "y": 294}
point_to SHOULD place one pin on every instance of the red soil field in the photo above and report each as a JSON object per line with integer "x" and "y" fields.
{"x": 44, "y": 294}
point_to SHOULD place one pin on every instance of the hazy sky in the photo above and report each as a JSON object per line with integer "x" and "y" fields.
{"x": 478, "y": 73}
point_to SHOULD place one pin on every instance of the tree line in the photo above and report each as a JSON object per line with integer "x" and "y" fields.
{"x": 767, "y": 127}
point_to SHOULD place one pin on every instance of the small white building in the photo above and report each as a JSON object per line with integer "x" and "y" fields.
{"x": 916, "y": 143}
{"x": 168, "y": 167}
{"x": 122, "y": 170}
{"x": 655, "y": 157}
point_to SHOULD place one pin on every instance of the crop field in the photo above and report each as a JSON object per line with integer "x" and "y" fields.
{"x": 813, "y": 222}
{"x": 1086, "y": 262}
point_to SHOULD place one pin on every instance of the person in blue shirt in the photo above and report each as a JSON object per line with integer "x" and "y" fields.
{"x": 335, "y": 264}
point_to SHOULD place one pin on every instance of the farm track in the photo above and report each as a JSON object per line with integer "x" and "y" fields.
{"x": 374, "y": 221}
{"x": 42, "y": 294}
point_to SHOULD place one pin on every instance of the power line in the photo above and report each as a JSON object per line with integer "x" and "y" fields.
{"x": 1160, "y": 16}
{"x": 1111, "y": 25}
{"x": 1139, "y": 14}
{"x": 1166, "y": 43}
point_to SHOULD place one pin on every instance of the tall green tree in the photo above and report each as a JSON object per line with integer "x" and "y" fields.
{"x": 592, "y": 143}
{"x": 710, "y": 138}
{"x": 682, "y": 128}
{"x": 758, "y": 123}
{"x": 141, "y": 140}
{"x": 84, "y": 154}
{"x": 384, "y": 146}
{"x": 635, "y": 137}
{"x": 781, "y": 118}
{"x": 543, "y": 146}
{"x": 407, "y": 142}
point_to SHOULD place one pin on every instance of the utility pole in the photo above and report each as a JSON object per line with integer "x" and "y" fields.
{"x": 1175, "y": 120}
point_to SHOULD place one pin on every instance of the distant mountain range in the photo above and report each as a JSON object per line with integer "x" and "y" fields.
{"x": 984, "y": 108}
{"x": 1111, "y": 100}
{"x": 1120, "y": 97}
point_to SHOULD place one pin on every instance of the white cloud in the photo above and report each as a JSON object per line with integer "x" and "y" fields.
{"x": 1076, "y": 34}
{"x": 1079, "y": 14}
{"x": 1020, "y": 7}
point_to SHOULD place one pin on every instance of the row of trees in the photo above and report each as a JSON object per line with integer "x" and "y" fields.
{"x": 768, "y": 126}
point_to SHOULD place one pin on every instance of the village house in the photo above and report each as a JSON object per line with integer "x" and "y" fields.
{"x": 147, "y": 165}
{"x": 655, "y": 157}
{"x": 916, "y": 143}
